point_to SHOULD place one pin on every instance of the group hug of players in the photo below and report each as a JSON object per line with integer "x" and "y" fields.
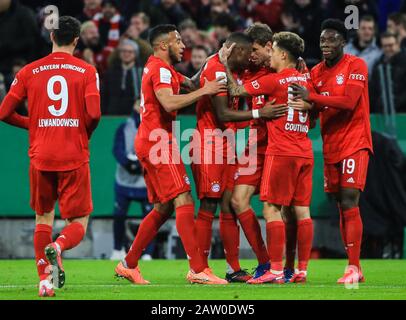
{"x": 285, "y": 100}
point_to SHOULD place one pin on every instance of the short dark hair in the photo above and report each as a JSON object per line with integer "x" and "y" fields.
{"x": 260, "y": 33}
{"x": 144, "y": 17}
{"x": 112, "y": 3}
{"x": 201, "y": 47}
{"x": 368, "y": 18}
{"x": 290, "y": 42}
{"x": 68, "y": 29}
{"x": 225, "y": 20}
{"x": 159, "y": 30}
{"x": 187, "y": 24}
{"x": 386, "y": 35}
{"x": 335, "y": 24}
{"x": 239, "y": 38}
{"x": 396, "y": 17}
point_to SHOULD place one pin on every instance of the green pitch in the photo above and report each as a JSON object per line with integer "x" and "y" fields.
{"x": 94, "y": 279}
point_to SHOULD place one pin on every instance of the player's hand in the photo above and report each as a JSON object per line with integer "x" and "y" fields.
{"x": 215, "y": 86}
{"x": 225, "y": 53}
{"x": 300, "y": 105}
{"x": 272, "y": 110}
{"x": 299, "y": 92}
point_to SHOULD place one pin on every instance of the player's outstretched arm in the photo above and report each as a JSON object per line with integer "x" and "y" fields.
{"x": 172, "y": 102}
{"x": 346, "y": 102}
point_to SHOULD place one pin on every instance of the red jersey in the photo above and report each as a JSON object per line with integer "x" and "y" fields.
{"x": 287, "y": 135}
{"x": 56, "y": 87}
{"x": 157, "y": 74}
{"x": 343, "y": 131}
{"x": 206, "y": 116}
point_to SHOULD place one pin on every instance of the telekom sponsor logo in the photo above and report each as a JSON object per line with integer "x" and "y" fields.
{"x": 210, "y": 147}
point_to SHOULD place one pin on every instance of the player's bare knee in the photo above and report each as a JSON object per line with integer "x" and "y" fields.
{"x": 240, "y": 203}
{"x": 301, "y": 212}
{"x": 183, "y": 199}
{"x": 165, "y": 209}
{"x": 272, "y": 212}
{"x": 349, "y": 198}
{"x": 209, "y": 205}
{"x": 46, "y": 218}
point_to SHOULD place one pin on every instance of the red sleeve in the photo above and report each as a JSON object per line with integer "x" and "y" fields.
{"x": 18, "y": 88}
{"x": 346, "y": 102}
{"x": 92, "y": 83}
{"x": 215, "y": 72}
{"x": 262, "y": 86}
{"x": 161, "y": 78}
{"x": 357, "y": 80}
{"x": 93, "y": 114}
{"x": 9, "y": 104}
{"x": 17, "y": 120}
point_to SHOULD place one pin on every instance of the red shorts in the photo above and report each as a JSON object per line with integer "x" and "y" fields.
{"x": 213, "y": 179}
{"x": 72, "y": 190}
{"x": 249, "y": 169}
{"x": 350, "y": 172}
{"x": 287, "y": 181}
{"x": 166, "y": 180}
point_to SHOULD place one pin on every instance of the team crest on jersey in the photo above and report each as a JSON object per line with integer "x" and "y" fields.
{"x": 215, "y": 186}
{"x": 187, "y": 180}
{"x": 15, "y": 81}
{"x": 340, "y": 79}
{"x": 255, "y": 84}
{"x": 146, "y": 70}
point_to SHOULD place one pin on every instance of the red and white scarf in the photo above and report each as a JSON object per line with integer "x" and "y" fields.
{"x": 113, "y": 36}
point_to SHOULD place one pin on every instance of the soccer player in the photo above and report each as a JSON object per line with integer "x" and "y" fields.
{"x": 215, "y": 179}
{"x": 64, "y": 109}
{"x": 165, "y": 175}
{"x": 341, "y": 85}
{"x": 287, "y": 173}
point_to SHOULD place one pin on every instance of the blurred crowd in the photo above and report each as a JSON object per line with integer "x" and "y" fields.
{"x": 114, "y": 37}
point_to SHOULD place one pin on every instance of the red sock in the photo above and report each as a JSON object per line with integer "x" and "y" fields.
{"x": 146, "y": 233}
{"x": 353, "y": 235}
{"x": 304, "y": 242}
{"x": 230, "y": 236}
{"x": 71, "y": 236}
{"x": 342, "y": 228}
{"x": 42, "y": 237}
{"x": 185, "y": 224}
{"x": 203, "y": 227}
{"x": 291, "y": 242}
{"x": 275, "y": 236}
{"x": 252, "y": 231}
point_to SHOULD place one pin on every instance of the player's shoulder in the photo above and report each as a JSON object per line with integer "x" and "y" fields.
{"x": 83, "y": 64}
{"x": 356, "y": 61}
{"x": 214, "y": 64}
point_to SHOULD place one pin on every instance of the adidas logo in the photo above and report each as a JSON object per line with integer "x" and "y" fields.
{"x": 351, "y": 180}
{"x": 41, "y": 262}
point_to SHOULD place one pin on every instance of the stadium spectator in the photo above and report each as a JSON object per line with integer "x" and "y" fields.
{"x": 145, "y": 47}
{"x": 90, "y": 9}
{"x": 141, "y": 23}
{"x": 364, "y": 44}
{"x": 211, "y": 9}
{"x": 129, "y": 185}
{"x": 172, "y": 12}
{"x": 122, "y": 81}
{"x": 199, "y": 55}
{"x": 19, "y": 34}
{"x": 303, "y": 17}
{"x": 268, "y": 12}
{"x": 110, "y": 23}
{"x": 191, "y": 37}
{"x": 224, "y": 24}
{"x": 385, "y": 8}
{"x": 393, "y": 56}
{"x": 91, "y": 49}
{"x": 397, "y": 24}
